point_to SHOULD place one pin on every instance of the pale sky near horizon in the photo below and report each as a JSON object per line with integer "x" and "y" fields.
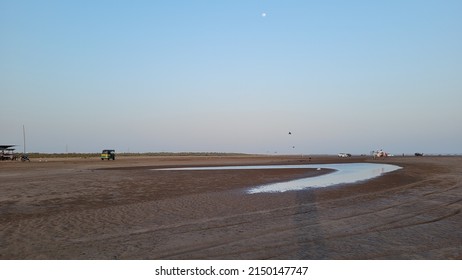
{"x": 232, "y": 76}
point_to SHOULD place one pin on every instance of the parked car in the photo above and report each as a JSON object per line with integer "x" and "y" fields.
{"x": 108, "y": 154}
{"x": 7, "y": 153}
{"x": 344, "y": 155}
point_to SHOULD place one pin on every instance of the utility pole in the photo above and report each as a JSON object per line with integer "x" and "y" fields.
{"x": 24, "y": 137}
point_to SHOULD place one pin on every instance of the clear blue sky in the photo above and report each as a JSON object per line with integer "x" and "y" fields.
{"x": 232, "y": 76}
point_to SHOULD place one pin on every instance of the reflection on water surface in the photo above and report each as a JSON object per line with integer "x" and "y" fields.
{"x": 345, "y": 173}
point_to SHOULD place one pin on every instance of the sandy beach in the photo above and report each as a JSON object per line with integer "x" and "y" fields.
{"x": 92, "y": 209}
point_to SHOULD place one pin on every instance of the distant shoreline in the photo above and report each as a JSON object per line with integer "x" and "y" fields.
{"x": 36, "y": 155}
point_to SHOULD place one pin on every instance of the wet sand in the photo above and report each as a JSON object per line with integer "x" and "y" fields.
{"x": 90, "y": 209}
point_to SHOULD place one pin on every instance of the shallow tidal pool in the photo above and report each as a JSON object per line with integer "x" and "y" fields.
{"x": 345, "y": 173}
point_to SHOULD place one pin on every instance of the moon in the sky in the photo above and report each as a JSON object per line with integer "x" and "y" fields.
{"x": 263, "y": 14}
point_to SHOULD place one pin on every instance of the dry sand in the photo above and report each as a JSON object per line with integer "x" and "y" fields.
{"x": 90, "y": 209}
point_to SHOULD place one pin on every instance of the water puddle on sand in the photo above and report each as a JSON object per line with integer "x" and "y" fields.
{"x": 345, "y": 173}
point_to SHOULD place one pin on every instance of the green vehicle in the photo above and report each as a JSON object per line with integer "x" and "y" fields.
{"x": 108, "y": 154}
